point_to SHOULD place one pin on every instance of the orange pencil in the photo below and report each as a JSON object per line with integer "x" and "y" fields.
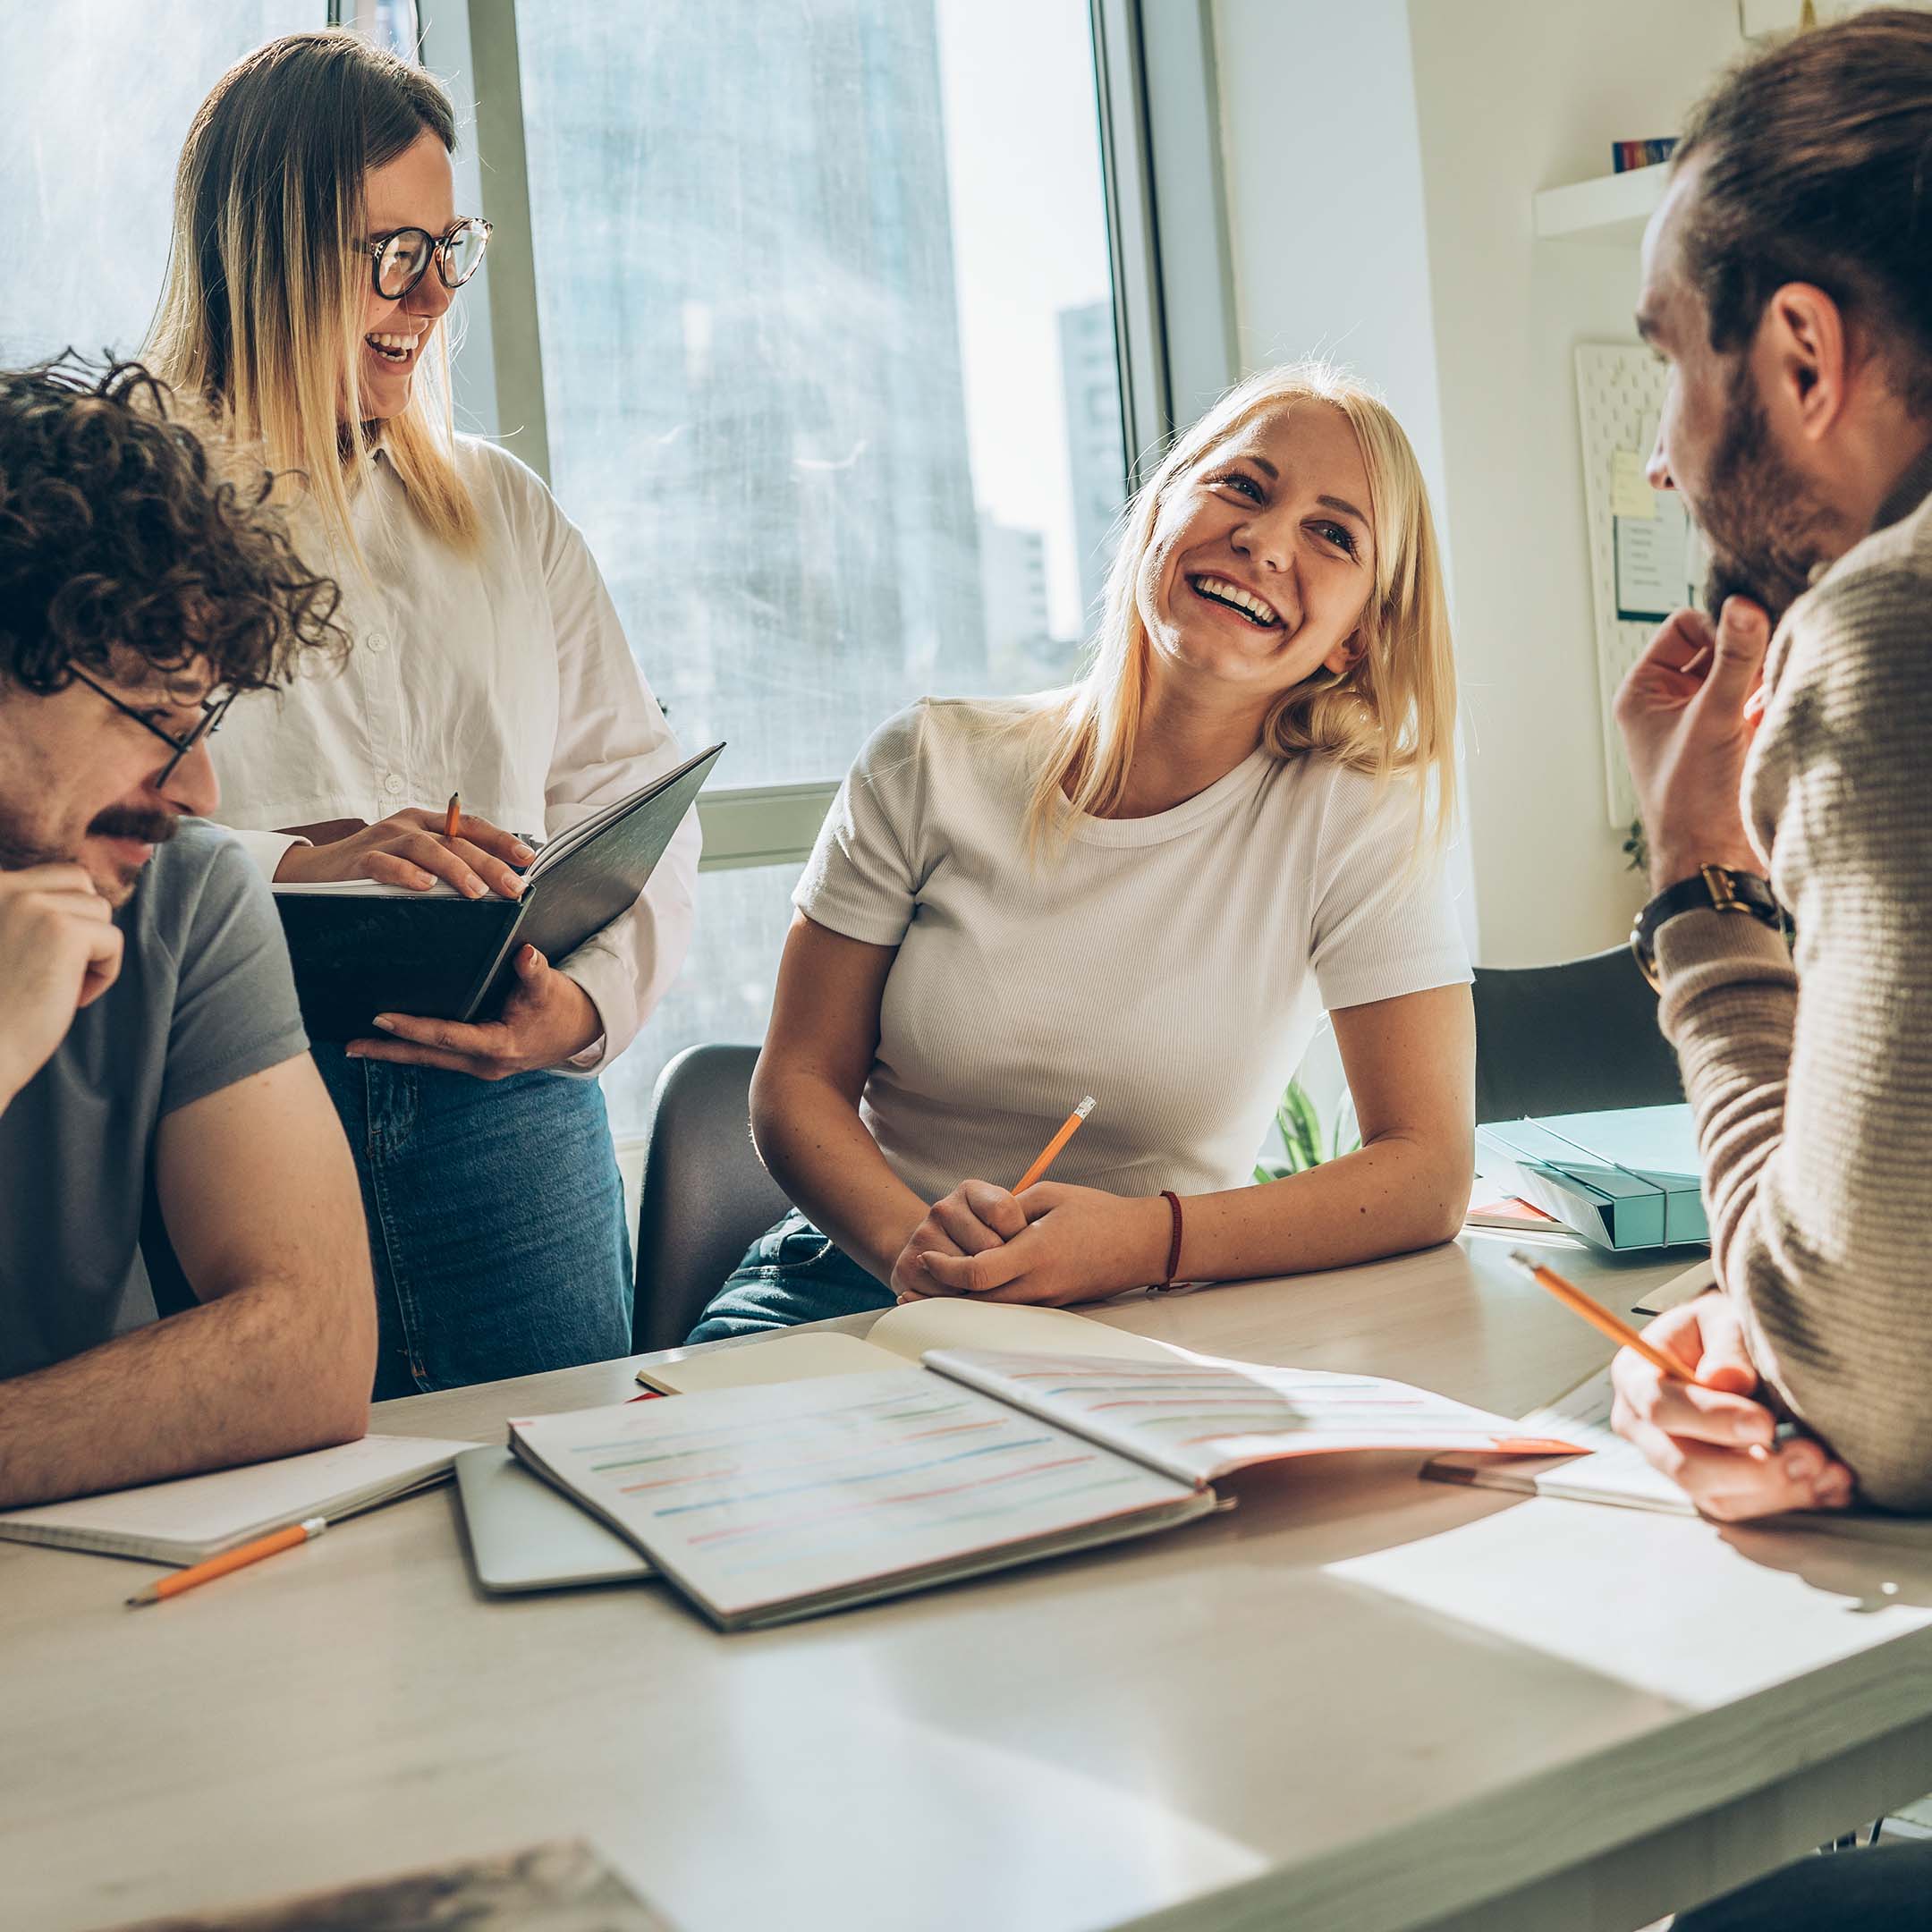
{"x": 453, "y": 817}
{"x": 1579, "y": 1303}
{"x": 1051, "y": 1152}
{"x": 234, "y": 1559}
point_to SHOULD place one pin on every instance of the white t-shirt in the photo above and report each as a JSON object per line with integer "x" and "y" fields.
{"x": 1173, "y": 967}
{"x": 504, "y": 677}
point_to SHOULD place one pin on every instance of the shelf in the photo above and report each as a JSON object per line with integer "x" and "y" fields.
{"x": 1611, "y": 210}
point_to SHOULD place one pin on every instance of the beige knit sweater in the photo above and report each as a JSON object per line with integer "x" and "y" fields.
{"x": 1811, "y": 1072}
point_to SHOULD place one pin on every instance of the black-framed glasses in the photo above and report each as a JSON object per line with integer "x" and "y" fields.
{"x": 213, "y": 711}
{"x": 401, "y": 259}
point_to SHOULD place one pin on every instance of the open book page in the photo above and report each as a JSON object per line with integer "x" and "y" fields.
{"x": 1616, "y": 1473}
{"x": 199, "y": 1516}
{"x": 749, "y": 1498}
{"x": 900, "y": 1338}
{"x": 1198, "y": 1417}
{"x": 958, "y": 1322}
{"x": 361, "y": 888}
{"x": 783, "y": 1357}
{"x": 1613, "y": 1471}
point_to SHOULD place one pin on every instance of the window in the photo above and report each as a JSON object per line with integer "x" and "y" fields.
{"x": 92, "y": 125}
{"x": 829, "y": 380}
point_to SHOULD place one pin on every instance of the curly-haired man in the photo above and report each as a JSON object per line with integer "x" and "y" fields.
{"x": 151, "y": 1045}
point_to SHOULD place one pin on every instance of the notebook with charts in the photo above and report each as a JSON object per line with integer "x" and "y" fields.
{"x": 775, "y": 1501}
{"x": 1615, "y": 1471}
{"x": 195, "y": 1517}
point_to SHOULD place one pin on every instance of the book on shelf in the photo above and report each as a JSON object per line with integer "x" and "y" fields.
{"x": 768, "y": 1502}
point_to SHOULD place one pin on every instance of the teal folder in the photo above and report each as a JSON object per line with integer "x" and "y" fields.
{"x": 1625, "y": 1180}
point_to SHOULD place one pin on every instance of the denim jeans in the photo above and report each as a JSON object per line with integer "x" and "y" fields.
{"x": 497, "y": 1222}
{"x": 790, "y": 1273}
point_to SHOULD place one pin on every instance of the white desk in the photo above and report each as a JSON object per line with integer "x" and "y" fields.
{"x": 1358, "y": 1702}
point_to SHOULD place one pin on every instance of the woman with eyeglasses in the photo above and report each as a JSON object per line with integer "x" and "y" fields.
{"x": 316, "y": 252}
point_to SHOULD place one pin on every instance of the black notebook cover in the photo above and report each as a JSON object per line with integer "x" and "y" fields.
{"x": 357, "y": 954}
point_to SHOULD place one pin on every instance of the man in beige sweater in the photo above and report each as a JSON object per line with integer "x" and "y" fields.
{"x": 1788, "y": 281}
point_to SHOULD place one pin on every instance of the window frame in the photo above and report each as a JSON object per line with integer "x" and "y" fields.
{"x": 1173, "y": 284}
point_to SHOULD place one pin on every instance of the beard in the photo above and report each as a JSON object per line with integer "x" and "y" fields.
{"x": 1765, "y": 524}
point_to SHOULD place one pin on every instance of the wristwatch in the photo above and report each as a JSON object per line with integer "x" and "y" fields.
{"x": 1711, "y": 888}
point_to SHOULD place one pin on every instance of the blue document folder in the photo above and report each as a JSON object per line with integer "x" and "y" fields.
{"x": 1627, "y": 1179}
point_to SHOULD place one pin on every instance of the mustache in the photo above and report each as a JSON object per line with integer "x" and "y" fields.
{"x": 145, "y": 827}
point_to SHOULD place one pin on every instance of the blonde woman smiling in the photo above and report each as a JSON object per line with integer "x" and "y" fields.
{"x": 318, "y": 251}
{"x": 1146, "y": 888}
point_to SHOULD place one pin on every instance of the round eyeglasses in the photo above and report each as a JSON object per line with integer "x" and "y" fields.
{"x": 400, "y": 260}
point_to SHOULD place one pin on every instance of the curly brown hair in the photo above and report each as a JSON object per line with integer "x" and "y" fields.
{"x": 121, "y": 545}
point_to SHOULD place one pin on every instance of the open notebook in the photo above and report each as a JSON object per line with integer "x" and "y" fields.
{"x": 359, "y": 948}
{"x": 775, "y": 1501}
{"x": 196, "y": 1517}
{"x": 1616, "y": 1473}
{"x": 899, "y": 1339}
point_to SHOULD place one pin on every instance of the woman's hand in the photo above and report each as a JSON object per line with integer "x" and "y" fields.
{"x": 547, "y": 1019}
{"x": 974, "y": 1217}
{"x": 409, "y": 848}
{"x": 1078, "y": 1244}
{"x": 1708, "y": 1437}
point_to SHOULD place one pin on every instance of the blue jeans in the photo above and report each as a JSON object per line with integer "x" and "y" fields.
{"x": 496, "y": 1221}
{"x": 790, "y": 1273}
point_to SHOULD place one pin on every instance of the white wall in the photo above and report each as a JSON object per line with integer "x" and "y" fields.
{"x": 1381, "y": 159}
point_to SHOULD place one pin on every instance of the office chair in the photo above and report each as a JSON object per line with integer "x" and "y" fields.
{"x": 706, "y": 1195}
{"x": 1579, "y": 1037}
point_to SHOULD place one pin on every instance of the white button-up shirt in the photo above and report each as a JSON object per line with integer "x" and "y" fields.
{"x": 504, "y": 677}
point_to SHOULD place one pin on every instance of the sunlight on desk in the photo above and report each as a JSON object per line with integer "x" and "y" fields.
{"x": 1678, "y": 1607}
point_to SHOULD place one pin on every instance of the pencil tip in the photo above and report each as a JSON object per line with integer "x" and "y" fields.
{"x": 146, "y": 1597}
{"x": 1524, "y": 1258}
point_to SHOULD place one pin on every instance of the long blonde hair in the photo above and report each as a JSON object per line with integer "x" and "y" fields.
{"x": 260, "y": 319}
{"x": 1392, "y": 711}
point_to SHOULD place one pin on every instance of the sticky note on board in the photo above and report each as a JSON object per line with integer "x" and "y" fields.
{"x": 1630, "y": 494}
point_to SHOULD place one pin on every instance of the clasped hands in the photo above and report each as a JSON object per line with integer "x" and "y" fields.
{"x": 547, "y": 1019}
{"x": 1050, "y": 1246}
{"x": 1709, "y": 1436}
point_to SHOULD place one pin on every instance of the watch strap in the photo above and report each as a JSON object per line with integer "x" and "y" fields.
{"x": 1711, "y": 888}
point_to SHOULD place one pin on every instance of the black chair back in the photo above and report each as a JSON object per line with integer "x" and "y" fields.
{"x": 706, "y": 1195}
{"x": 1579, "y": 1037}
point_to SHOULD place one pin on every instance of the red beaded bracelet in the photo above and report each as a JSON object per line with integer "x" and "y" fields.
{"x": 1173, "y": 1245}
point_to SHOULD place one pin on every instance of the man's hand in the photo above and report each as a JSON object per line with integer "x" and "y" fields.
{"x": 1686, "y": 731}
{"x": 409, "y": 848}
{"x": 1080, "y": 1245}
{"x": 59, "y": 950}
{"x": 547, "y": 1020}
{"x": 1708, "y": 1437}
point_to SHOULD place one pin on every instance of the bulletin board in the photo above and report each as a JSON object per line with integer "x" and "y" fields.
{"x": 1645, "y": 556}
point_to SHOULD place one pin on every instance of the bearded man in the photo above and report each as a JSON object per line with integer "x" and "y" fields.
{"x": 152, "y": 1051}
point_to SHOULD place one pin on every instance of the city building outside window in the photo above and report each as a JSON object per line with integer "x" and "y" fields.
{"x": 829, "y": 378}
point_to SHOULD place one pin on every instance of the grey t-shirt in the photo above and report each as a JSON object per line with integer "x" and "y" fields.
{"x": 204, "y": 999}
